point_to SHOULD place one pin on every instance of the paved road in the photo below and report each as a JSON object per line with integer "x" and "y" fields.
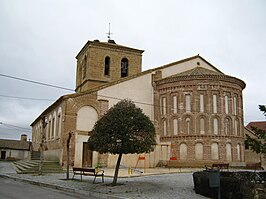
{"x": 11, "y": 189}
{"x": 166, "y": 186}
{"x": 6, "y": 167}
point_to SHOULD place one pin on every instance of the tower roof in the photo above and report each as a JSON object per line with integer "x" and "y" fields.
{"x": 108, "y": 44}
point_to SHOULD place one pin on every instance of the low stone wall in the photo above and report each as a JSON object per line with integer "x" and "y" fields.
{"x": 234, "y": 185}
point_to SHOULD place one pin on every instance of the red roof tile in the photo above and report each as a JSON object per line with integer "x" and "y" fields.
{"x": 259, "y": 125}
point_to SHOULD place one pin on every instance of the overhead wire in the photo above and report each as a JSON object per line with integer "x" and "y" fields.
{"x": 35, "y": 82}
{"x": 59, "y": 87}
{"x": 64, "y": 88}
{"x": 11, "y": 126}
{"x": 26, "y": 98}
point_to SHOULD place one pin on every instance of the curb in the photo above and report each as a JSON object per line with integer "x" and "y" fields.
{"x": 70, "y": 190}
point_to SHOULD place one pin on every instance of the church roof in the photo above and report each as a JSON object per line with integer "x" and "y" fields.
{"x": 202, "y": 74}
{"x": 109, "y": 44}
{"x": 199, "y": 71}
{"x": 260, "y": 125}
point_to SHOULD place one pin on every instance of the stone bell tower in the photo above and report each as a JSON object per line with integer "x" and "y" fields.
{"x": 99, "y": 63}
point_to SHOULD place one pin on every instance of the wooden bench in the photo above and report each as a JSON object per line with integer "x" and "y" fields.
{"x": 87, "y": 172}
{"x": 218, "y": 166}
{"x": 255, "y": 166}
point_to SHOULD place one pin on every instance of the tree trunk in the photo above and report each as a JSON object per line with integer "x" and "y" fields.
{"x": 68, "y": 158}
{"x": 117, "y": 169}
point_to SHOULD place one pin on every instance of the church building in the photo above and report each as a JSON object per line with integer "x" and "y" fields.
{"x": 197, "y": 110}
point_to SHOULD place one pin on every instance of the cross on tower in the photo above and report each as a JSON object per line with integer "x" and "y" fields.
{"x": 109, "y": 33}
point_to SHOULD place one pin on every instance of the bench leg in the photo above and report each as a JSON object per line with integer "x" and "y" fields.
{"x": 102, "y": 179}
{"x": 73, "y": 177}
{"x": 94, "y": 180}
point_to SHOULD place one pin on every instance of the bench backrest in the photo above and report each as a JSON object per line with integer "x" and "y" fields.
{"x": 91, "y": 170}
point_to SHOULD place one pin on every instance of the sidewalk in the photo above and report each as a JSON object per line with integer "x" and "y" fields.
{"x": 153, "y": 183}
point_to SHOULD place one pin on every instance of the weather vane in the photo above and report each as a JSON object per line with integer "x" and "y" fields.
{"x": 109, "y": 33}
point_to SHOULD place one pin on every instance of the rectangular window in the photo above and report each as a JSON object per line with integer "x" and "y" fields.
{"x": 226, "y": 105}
{"x": 188, "y": 103}
{"x": 214, "y": 99}
{"x": 201, "y": 103}
{"x": 175, "y": 104}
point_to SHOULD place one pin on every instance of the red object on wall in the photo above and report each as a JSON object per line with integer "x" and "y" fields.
{"x": 173, "y": 158}
{"x": 141, "y": 158}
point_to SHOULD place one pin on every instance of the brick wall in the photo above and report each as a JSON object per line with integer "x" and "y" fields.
{"x": 94, "y": 60}
{"x": 188, "y": 124}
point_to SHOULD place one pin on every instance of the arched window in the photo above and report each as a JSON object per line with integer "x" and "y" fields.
{"x": 175, "y": 126}
{"x": 59, "y": 122}
{"x": 214, "y": 151}
{"x": 188, "y": 126}
{"x": 164, "y": 128}
{"x": 201, "y": 103}
{"x": 202, "y": 125}
{"x": 214, "y": 103}
{"x": 188, "y": 103}
{"x": 49, "y": 128}
{"x": 183, "y": 151}
{"x": 174, "y": 106}
{"x": 215, "y": 126}
{"x": 54, "y": 126}
{"x": 226, "y": 101}
{"x": 228, "y": 152}
{"x": 237, "y": 128}
{"x": 84, "y": 67}
{"x": 226, "y": 127}
{"x": 163, "y": 105}
{"x": 234, "y": 106}
{"x": 124, "y": 67}
{"x": 107, "y": 66}
{"x": 238, "y": 152}
{"x": 199, "y": 151}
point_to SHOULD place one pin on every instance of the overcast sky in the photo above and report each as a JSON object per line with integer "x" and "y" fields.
{"x": 39, "y": 40}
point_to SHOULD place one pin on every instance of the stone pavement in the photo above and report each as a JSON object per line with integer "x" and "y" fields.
{"x": 153, "y": 183}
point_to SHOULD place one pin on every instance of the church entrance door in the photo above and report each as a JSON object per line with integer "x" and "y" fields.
{"x": 87, "y": 156}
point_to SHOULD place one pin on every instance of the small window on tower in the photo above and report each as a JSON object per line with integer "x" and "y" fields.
{"x": 124, "y": 67}
{"x": 84, "y": 67}
{"x": 107, "y": 66}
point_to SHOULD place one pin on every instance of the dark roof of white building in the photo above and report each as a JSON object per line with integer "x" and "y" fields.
{"x": 14, "y": 144}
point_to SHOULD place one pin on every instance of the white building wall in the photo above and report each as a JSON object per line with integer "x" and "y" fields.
{"x": 86, "y": 118}
{"x": 138, "y": 89}
{"x": 79, "y": 148}
{"x": 16, "y": 154}
{"x": 182, "y": 67}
